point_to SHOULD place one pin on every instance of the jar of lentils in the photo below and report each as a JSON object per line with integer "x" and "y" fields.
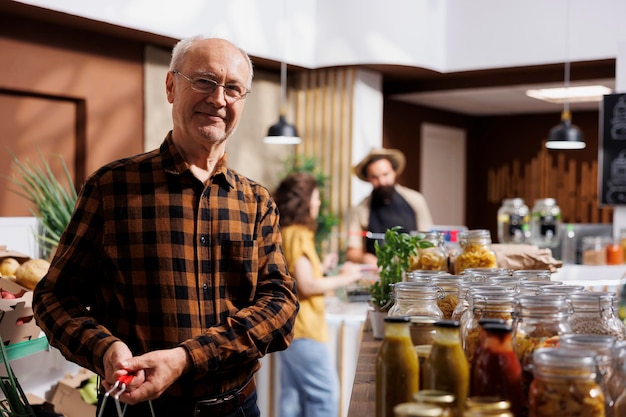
{"x": 593, "y": 312}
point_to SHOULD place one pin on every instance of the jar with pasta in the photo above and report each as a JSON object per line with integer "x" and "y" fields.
{"x": 433, "y": 258}
{"x": 565, "y": 384}
{"x": 485, "y": 305}
{"x": 602, "y": 345}
{"x": 476, "y": 251}
{"x": 539, "y": 322}
{"x": 450, "y": 285}
{"x": 593, "y": 312}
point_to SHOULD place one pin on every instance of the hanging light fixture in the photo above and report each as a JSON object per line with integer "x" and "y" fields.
{"x": 565, "y": 135}
{"x": 282, "y": 133}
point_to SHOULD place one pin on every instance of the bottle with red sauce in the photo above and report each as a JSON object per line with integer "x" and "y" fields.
{"x": 497, "y": 371}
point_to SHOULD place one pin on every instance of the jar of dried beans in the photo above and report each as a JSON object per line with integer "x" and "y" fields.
{"x": 593, "y": 312}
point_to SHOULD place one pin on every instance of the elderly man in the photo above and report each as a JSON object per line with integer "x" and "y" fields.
{"x": 171, "y": 269}
{"x": 388, "y": 205}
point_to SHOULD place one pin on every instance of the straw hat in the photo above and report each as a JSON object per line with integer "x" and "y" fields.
{"x": 394, "y": 156}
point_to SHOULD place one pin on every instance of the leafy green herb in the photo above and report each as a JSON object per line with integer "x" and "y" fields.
{"x": 394, "y": 258}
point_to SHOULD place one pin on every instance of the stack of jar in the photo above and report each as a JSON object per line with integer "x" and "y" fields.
{"x": 554, "y": 339}
{"x": 539, "y": 226}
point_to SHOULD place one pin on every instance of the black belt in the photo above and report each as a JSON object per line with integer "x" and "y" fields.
{"x": 226, "y": 403}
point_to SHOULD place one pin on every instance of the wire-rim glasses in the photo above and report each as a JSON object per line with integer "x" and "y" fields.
{"x": 232, "y": 92}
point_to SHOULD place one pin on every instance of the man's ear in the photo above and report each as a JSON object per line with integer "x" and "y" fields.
{"x": 169, "y": 86}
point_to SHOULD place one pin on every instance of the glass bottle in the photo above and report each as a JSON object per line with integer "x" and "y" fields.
{"x": 422, "y": 329}
{"x": 446, "y": 368}
{"x": 442, "y": 399}
{"x": 602, "y": 345}
{"x": 497, "y": 371}
{"x": 565, "y": 384}
{"x": 513, "y": 218}
{"x": 545, "y": 223}
{"x": 434, "y": 258}
{"x": 416, "y": 299}
{"x": 397, "y": 369}
{"x": 540, "y": 321}
{"x": 569, "y": 246}
{"x": 614, "y": 252}
{"x": 476, "y": 251}
{"x": 593, "y": 312}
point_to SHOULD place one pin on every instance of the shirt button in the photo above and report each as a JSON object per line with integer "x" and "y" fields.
{"x": 203, "y": 239}
{"x": 205, "y": 286}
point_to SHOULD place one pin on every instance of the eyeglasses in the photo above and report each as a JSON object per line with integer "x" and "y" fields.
{"x": 233, "y": 92}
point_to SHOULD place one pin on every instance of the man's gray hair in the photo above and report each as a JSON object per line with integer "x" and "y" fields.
{"x": 183, "y": 46}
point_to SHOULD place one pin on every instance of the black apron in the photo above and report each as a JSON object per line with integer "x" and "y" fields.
{"x": 386, "y": 216}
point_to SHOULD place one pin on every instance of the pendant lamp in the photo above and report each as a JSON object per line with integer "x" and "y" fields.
{"x": 565, "y": 135}
{"x": 282, "y": 133}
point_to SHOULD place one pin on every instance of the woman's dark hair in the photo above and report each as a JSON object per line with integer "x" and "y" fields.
{"x": 293, "y": 198}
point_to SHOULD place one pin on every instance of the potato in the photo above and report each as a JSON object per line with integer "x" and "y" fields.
{"x": 31, "y": 272}
{"x": 9, "y": 266}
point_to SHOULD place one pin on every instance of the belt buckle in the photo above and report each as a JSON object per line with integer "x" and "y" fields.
{"x": 213, "y": 406}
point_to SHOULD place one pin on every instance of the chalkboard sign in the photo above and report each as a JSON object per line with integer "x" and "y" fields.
{"x": 612, "y": 150}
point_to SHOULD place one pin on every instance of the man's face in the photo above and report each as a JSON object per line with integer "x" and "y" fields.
{"x": 380, "y": 173}
{"x": 207, "y": 117}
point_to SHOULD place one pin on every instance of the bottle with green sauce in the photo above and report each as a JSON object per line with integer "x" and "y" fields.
{"x": 446, "y": 367}
{"x": 397, "y": 369}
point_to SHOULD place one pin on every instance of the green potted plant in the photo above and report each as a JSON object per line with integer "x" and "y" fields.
{"x": 52, "y": 201}
{"x": 394, "y": 259}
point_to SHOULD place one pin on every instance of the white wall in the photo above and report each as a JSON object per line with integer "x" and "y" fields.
{"x": 443, "y": 35}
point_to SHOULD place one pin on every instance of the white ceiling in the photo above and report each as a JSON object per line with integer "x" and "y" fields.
{"x": 497, "y": 100}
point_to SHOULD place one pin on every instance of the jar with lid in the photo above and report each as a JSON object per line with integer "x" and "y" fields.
{"x": 619, "y": 378}
{"x": 397, "y": 373}
{"x": 534, "y": 287}
{"x": 450, "y": 285}
{"x": 602, "y": 345}
{"x": 416, "y": 299}
{"x": 464, "y": 298}
{"x": 545, "y": 223}
{"x": 483, "y": 274}
{"x": 565, "y": 384}
{"x": 593, "y": 250}
{"x": 441, "y": 399}
{"x": 513, "y": 221}
{"x": 498, "y": 305}
{"x": 476, "y": 251}
{"x": 483, "y": 406}
{"x": 614, "y": 252}
{"x": 496, "y": 370}
{"x": 433, "y": 258}
{"x": 446, "y": 368}
{"x": 533, "y": 274}
{"x": 560, "y": 289}
{"x": 417, "y": 410}
{"x": 593, "y": 312}
{"x": 540, "y": 320}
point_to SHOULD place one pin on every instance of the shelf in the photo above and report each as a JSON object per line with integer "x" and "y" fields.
{"x": 29, "y": 347}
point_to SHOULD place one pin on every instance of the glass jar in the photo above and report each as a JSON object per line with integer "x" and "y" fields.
{"x": 476, "y": 251}
{"x": 614, "y": 252}
{"x": 561, "y": 289}
{"x": 422, "y": 351}
{"x": 593, "y": 312}
{"x": 397, "y": 373}
{"x": 483, "y": 274}
{"x": 540, "y": 320}
{"x": 593, "y": 250}
{"x": 545, "y": 223}
{"x": 619, "y": 378}
{"x": 446, "y": 368}
{"x": 602, "y": 345}
{"x": 416, "y": 299}
{"x": 417, "y": 410}
{"x": 434, "y": 258}
{"x": 464, "y": 298}
{"x": 493, "y": 305}
{"x": 480, "y": 406}
{"x": 513, "y": 221}
{"x": 533, "y": 274}
{"x": 441, "y": 399}
{"x": 450, "y": 285}
{"x": 422, "y": 329}
{"x": 534, "y": 287}
{"x": 496, "y": 371}
{"x": 565, "y": 384}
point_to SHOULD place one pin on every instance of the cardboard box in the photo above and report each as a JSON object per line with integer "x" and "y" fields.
{"x": 6, "y": 253}
{"x": 66, "y": 397}
{"x": 17, "y": 323}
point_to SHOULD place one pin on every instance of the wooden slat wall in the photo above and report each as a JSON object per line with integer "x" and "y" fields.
{"x": 324, "y": 121}
{"x": 574, "y": 185}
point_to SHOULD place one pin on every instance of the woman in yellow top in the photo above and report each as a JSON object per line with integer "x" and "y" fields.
{"x": 309, "y": 383}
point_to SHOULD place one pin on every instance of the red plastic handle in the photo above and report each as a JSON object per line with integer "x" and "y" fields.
{"x": 125, "y": 379}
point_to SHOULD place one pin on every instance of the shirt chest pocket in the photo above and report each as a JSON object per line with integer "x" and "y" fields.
{"x": 237, "y": 267}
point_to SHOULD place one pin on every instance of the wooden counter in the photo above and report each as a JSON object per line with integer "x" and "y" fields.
{"x": 363, "y": 399}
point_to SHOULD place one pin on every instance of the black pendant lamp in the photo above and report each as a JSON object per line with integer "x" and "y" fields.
{"x": 282, "y": 133}
{"x": 565, "y": 135}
